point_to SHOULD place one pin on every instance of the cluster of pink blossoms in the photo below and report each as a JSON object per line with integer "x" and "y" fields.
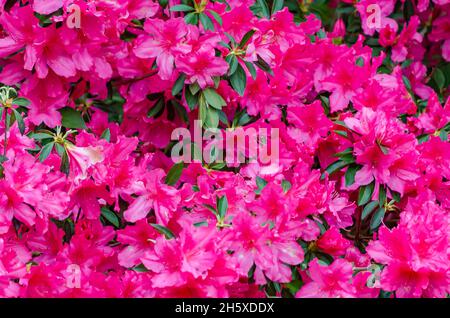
{"x": 92, "y": 205}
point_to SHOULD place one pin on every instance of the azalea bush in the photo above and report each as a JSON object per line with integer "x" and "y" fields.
{"x": 92, "y": 203}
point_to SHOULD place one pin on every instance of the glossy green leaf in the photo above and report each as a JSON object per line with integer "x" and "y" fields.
{"x": 111, "y": 217}
{"x": 21, "y": 102}
{"x": 264, "y": 8}
{"x": 191, "y": 18}
{"x": 72, "y": 119}
{"x": 365, "y": 194}
{"x": 174, "y": 173}
{"x": 106, "y": 135}
{"x": 247, "y": 36}
{"x": 181, "y": 8}
{"x": 350, "y": 174}
{"x": 20, "y": 122}
{"x": 46, "y": 151}
{"x": 277, "y": 6}
{"x": 216, "y": 16}
{"x": 163, "y": 230}
{"x": 377, "y": 218}
{"x": 439, "y": 78}
{"x": 206, "y": 22}
{"x": 179, "y": 84}
{"x": 213, "y": 98}
{"x": 239, "y": 80}
{"x": 222, "y": 206}
{"x": 369, "y": 209}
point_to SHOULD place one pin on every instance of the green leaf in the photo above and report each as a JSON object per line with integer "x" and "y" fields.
{"x": 286, "y": 185}
{"x": 156, "y": 109}
{"x": 65, "y": 167}
{"x": 439, "y": 78}
{"x": 263, "y": 65}
{"x": 191, "y": 18}
{"x": 106, "y": 135}
{"x": 181, "y": 8}
{"x": 335, "y": 166}
{"x": 111, "y": 217}
{"x": 341, "y": 133}
{"x": 200, "y": 224}
{"x": 210, "y": 208}
{"x": 140, "y": 268}
{"x": 60, "y": 149}
{"x": 212, "y": 117}
{"x": 40, "y": 136}
{"x": 21, "y": 102}
{"x": 350, "y": 174}
{"x": 377, "y": 218}
{"x": 382, "y": 196}
{"x": 174, "y": 173}
{"x": 443, "y": 135}
{"x": 222, "y": 206}
{"x": 264, "y": 8}
{"x": 368, "y": 209}
{"x": 192, "y": 100}
{"x": 239, "y": 80}
{"x": 261, "y": 184}
{"x": 344, "y": 153}
{"x": 225, "y": 45}
{"x": 423, "y": 138}
{"x": 407, "y": 82}
{"x": 206, "y": 22}
{"x": 243, "y": 120}
{"x": 213, "y": 98}
{"x": 321, "y": 34}
{"x": 365, "y": 194}
{"x": 163, "y": 230}
{"x": 359, "y": 61}
{"x": 216, "y": 17}
{"x": 383, "y": 149}
{"x": 247, "y": 36}
{"x": 407, "y": 63}
{"x": 179, "y": 84}
{"x": 194, "y": 88}
{"x": 396, "y": 196}
{"x": 72, "y": 119}
{"x": 277, "y": 6}
{"x": 251, "y": 68}
{"x": 20, "y": 121}
{"x": 230, "y": 37}
{"x": 46, "y": 150}
{"x": 233, "y": 63}
{"x": 203, "y": 109}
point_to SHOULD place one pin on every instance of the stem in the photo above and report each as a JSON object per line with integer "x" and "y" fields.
{"x": 6, "y": 132}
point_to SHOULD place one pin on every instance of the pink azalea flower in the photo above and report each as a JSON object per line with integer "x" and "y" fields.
{"x": 175, "y": 261}
{"x": 328, "y": 281}
{"x": 162, "y": 198}
{"x": 383, "y": 149}
{"x": 414, "y": 252}
{"x": 165, "y": 41}
{"x": 332, "y": 242}
{"x": 82, "y": 158}
{"x": 345, "y": 81}
{"x": 201, "y": 66}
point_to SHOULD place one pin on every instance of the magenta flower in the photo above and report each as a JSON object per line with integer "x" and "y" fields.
{"x": 201, "y": 66}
